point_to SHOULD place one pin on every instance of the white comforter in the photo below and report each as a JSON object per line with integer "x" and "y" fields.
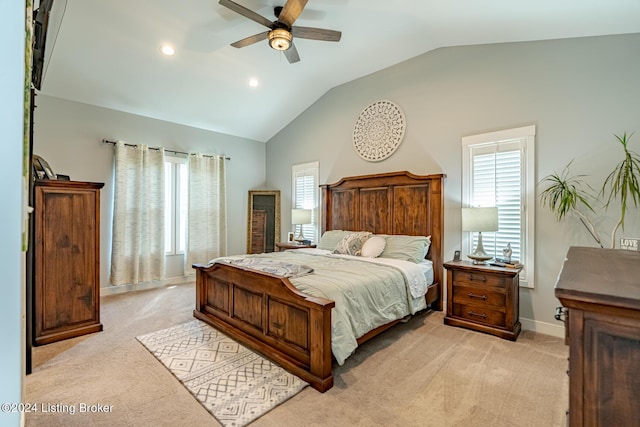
{"x": 368, "y": 292}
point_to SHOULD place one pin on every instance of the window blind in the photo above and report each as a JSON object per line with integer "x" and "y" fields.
{"x": 497, "y": 181}
{"x": 305, "y": 195}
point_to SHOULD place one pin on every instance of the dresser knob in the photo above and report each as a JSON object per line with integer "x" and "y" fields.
{"x": 477, "y": 278}
{"x": 472, "y": 295}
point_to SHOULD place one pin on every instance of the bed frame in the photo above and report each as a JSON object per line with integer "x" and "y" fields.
{"x": 268, "y": 314}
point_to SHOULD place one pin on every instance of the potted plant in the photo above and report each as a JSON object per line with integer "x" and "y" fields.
{"x": 565, "y": 193}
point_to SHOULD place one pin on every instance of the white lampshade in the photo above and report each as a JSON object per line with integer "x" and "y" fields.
{"x": 479, "y": 219}
{"x": 300, "y": 216}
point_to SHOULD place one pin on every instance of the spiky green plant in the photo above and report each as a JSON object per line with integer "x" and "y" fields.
{"x": 564, "y": 195}
{"x": 623, "y": 183}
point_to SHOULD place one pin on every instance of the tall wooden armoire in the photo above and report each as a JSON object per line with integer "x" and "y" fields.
{"x": 66, "y": 293}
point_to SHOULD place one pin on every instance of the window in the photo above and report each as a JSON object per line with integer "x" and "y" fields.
{"x": 176, "y": 205}
{"x": 305, "y": 194}
{"x": 498, "y": 170}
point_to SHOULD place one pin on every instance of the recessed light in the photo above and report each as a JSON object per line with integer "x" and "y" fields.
{"x": 253, "y": 82}
{"x": 167, "y": 49}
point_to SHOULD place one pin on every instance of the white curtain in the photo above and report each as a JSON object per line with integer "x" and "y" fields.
{"x": 207, "y": 221}
{"x": 138, "y": 253}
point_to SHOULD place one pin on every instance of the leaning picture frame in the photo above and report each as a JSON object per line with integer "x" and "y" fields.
{"x": 41, "y": 168}
{"x": 38, "y": 172}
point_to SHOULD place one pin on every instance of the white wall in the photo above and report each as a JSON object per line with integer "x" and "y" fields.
{"x": 68, "y": 135}
{"x": 12, "y": 21}
{"x": 578, "y": 92}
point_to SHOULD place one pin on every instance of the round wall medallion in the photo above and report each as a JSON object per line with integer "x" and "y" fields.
{"x": 378, "y": 131}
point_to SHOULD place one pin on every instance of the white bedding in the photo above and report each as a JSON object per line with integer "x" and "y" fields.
{"x": 419, "y": 275}
{"x": 365, "y": 298}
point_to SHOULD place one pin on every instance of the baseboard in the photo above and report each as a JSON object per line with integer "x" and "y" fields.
{"x": 121, "y": 289}
{"x": 543, "y": 327}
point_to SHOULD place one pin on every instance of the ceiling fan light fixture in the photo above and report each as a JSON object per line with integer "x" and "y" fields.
{"x": 280, "y": 39}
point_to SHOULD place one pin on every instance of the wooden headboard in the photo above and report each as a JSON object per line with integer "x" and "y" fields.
{"x": 389, "y": 203}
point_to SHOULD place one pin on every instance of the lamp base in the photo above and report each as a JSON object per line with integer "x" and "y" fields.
{"x": 479, "y": 258}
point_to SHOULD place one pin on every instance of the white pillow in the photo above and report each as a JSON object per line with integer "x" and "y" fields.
{"x": 408, "y": 248}
{"x": 331, "y": 238}
{"x": 373, "y": 247}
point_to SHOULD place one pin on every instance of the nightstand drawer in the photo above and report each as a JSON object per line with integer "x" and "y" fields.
{"x": 479, "y": 296}
{"x": 479, "y": 314}
{"x": 461, "y": 277}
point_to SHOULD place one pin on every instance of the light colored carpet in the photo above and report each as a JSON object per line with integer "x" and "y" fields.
{"x": 419, "y": 373}
{"x": 235, "y": 384}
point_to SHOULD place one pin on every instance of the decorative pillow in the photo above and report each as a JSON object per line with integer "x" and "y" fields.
{"x": 330, "y": 239}
{"x": 352, "y": 244}
{"x": 408, "y": 248}
{"x": 373, "y": 247}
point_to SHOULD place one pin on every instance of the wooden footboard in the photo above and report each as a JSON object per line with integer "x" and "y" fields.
{"x": 269, "y": 315}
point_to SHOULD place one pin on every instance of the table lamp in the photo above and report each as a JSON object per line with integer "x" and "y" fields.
{"x": 479, "y": 219}
{"x": 300, "y": 217}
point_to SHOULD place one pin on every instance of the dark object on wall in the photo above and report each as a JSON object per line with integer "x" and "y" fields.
{"x": 66, "y": 293}
{"x": 600, "y": 289}
{"x": 40, "y": 28}
{"x": 28, "y": 362}
{"x": 41, "y": 168}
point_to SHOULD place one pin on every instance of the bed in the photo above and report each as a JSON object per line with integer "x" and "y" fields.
{"x": 267, "y": 313}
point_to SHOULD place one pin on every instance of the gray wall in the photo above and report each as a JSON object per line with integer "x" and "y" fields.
{"x": 68, "y": 135}
{"x": 12, "y": 14}
{"x": 578, "y": 92}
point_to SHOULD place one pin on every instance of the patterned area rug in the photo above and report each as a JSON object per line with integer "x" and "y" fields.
{"x": 233, "y": 383}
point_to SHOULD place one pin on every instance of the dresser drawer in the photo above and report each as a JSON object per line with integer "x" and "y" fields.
{"x": 461, "y": 277}
{"x": 479, "y": 296}
{"x": 478, "y": 314}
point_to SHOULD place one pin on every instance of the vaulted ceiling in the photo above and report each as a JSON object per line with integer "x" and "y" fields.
{"x": 107, "y": 53}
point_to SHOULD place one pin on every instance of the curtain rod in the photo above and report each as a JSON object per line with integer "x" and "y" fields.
{"x": 106, "y": 141}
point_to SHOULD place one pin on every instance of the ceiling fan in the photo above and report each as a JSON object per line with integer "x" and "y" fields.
{"x": 281, "y": 31}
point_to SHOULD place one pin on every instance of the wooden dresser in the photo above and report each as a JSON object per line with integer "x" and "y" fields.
{"x": 484, "y": 298}
{"x": 66, "y": 295}
{"x": 601, "y": 289}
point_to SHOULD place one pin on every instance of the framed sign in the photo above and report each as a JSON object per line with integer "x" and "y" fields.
{"x": 630, "y": 243}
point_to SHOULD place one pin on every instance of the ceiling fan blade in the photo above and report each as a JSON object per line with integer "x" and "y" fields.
{"x": 292, "y": 54}
{"x": 291, "y": 11}
{"x": 247, "y": 13}
{"x": 316, "y": 34}
{"x": 250, "y": 40}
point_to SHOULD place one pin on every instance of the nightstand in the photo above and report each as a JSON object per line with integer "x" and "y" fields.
{"x": 281, "y": 246}
{"x": 484, "y": 298}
